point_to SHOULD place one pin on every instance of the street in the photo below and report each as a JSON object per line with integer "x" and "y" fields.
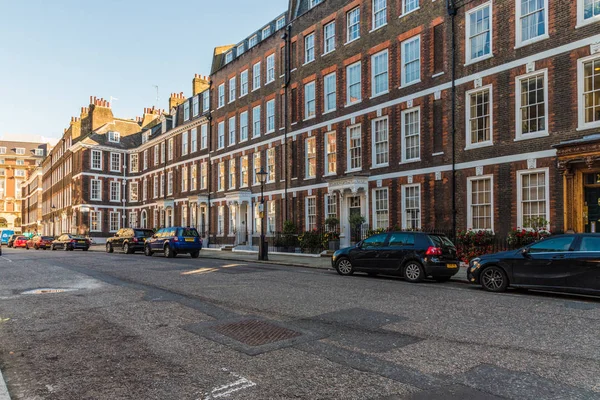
{"x": 134, "y": 327}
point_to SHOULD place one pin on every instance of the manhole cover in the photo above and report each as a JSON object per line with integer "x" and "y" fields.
{"x": 255, "y": 333}
{"x": 47, "y": 291}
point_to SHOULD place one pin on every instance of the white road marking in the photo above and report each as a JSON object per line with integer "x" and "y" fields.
{"x": 7, "y": 259}
{"x": 226, "y": 390}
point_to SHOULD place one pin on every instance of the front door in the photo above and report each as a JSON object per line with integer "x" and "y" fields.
{"x": 354, "y": 209}
{"x": 592, "y": 203}
{"x": 547, "y": 263}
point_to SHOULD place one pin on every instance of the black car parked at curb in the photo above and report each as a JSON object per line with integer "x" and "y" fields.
{"x": 129, "y": 240}
{"x": 413, "y": 255}
{"x": 565, "y": 263}
{"x": 11, "y": 240}
{"x": 69, "y": 242}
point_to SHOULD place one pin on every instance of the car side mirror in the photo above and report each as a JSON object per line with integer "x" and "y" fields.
{"x": 525, "y": 252}
{"x": 154, "y": 236}
{"x": 359, "y": 245}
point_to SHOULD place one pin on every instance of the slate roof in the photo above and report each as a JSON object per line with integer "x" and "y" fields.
{"x": 29, "y": 147}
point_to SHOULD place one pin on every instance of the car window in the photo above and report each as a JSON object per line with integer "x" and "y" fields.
{"x": 188, "y": 232}
{"x": 402, "y": 239}
{"x": 47, "y": 237}
{"x": 143, "y": 233}
{"x": 590, "y": 243}
{"x": 552, "y": 245}
{"x": 441, "y": 241}
{"x": 374, "y": 241}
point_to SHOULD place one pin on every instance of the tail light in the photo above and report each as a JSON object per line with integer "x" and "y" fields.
{"x": 73, "y": 241}
{"x": 176, "y": 239}
{"x": 135, "y": 240}
{"x": 433, "y": 251}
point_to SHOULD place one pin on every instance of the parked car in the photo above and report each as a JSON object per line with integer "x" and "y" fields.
{"x": 129, "y": 240}
{"x": 11, "y": 240}
{"x": 40, "y": 242}
{"x": 20, "y": 241}
{"x": 173, "y": 241}
{"x": 70, "y": 242}
{"x": 566, "y": 263}
{"x": 413, "y": 255}
{"x": 6, "y": 235}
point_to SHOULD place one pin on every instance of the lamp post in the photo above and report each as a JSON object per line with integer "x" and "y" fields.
{"x": 262, "y": 249}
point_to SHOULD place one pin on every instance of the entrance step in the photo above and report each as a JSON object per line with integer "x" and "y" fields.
{"x": 227, "y": 248}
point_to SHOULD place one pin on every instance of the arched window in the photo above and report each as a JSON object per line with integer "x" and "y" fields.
{"x": 3, "y": 223}
{"x": 143, "y": 220}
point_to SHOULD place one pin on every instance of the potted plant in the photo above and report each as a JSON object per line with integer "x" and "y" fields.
{"x": 289, "y": 240}
{"x": 332, "y": 237}
{"x": 356, "y": 221}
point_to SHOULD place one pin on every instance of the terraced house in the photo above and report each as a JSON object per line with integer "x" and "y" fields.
{"x": 412, "y": 113}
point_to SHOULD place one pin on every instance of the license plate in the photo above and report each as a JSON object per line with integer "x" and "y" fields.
{"x": 189, "y": 240}
{"x": 452, "y": 266}
{"x": 81, "y": 241}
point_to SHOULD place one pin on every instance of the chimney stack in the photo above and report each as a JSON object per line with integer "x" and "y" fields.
{"x": 176, "y": 99}
{"x": 200, "y": 83}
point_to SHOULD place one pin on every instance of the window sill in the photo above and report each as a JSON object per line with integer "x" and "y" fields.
{"x": 271, "y": 81}
{"x": 410, "y": 12}
{"x": 294, "y": 123}
{"x": 379, "y": 94}
{"x": 441, "y": 153}
{"x": 256, "y": 137}
{"x": 243, "y": 140}
{"x": 231, "y": 101}
{"x": 353, "y": 170}
{"x": 352, "y": 104}
{"x": 219, "y": 107}
{"x": 328, "y": 52}
{"x": 380, "y": 166}
{"x": 528, "y": 136}
{"x": 405, "y": 85}
{"x": 255, "y": 89}
{"x": 308, "y": 62}
{"x": 309, "y": 118}
{"x": 588, "y": 126}
{"x": 351, "y": 41}
{"x": 478, "y": 145}
{"x": 438, "y": 74}
{"x": 329, "y": 175}
{"x": 378, "y": 28}
{"x": 404, "y": 162}
{"x": 532, "y": 41}
{"x": 476, "y": 60}
{"x": 293, "y": 70}
{"x": 586, "y": 22}
{"x": 242, "y": 95}
{"x": 328, "y": 112}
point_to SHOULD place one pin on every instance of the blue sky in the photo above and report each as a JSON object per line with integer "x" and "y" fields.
{"x": 54, "y": 55}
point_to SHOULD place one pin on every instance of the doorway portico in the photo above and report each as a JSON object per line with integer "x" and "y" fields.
{"x": 240, "y": 209}
{"x": 352, "y": 195}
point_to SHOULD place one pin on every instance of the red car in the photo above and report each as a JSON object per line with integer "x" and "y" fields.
{"x": 20, "y": 241}
{"x": 39, "y": 242}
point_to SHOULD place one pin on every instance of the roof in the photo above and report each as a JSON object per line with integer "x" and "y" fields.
{"x": 586, "y": 139}
{"x": 29, "y": 147}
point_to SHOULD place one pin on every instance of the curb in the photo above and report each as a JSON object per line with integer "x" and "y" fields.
{"x": 3, "y": 390}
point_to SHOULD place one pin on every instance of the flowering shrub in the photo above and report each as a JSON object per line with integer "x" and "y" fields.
{"x": 518, "y": 238}
{"x": 471, "y": 244}
{"x": 311, "y": 241}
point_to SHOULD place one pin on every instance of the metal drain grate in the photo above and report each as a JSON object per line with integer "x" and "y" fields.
{"x": 47, "y": 291}
{"x": 255, "y": 332}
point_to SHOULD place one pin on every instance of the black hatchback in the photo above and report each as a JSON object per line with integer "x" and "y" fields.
{"x": 129, "y": 240}
{"x": 413, "y": 255}
{"x": 565, "y": 263}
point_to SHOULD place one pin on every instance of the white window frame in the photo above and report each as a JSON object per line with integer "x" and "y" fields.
{"x": 205, "y": 101}
{"x": 256, "y": 76}
{"x": 270, "y": 116}
{"x": 228, "y": 57}
{"x": 194, "y": 177}
{"x": 280, "y": 23}
{"x": 194, "y": 140}
{"x": 96, "y": 152}
{"x": 170, "y": 183}
{"x": 253, "y": 41}
{"x": 328, "y": 39}
{"x": 186, "y": 110}
{"x": 99, "y": 194}
{"x": 470, "y": 181}
{"x": 350, "y": 84}
{"x": 113, "y": 137}
{"x": 171, "y": 149}
{"x": 203, "y": 136}
{"x": 240, "y": 49}
{"x": 112, "y": 169}
{"x": 232, "y": 178}
{"x": 310, "y": 101}
{"x": 468, "y": 94}
{"x": 403, "y": 134}
{"x": 375, "y": 205}
{"x": 221, "y": 95}
{"x": 270, "y": 69}
{"x": 134, "y": 162}
{"x": 404, "y": 82}
{"x": 232, "y": 94}
{"x": 95, "y": 221}
{"x": 196, "y": 106}
{"x": 184, "y": 179}
{"x": 468, "y": 59}
{"x": 185, "y": 143}
{"x": 231, "y": 132}
{"x": 221, "y": 135}
{"x": 519, "y": 120}
{"x": 134, "y": 192}
{"x": 374, "y": 142}
{"x": 110, "y": 221}
{"x": 271, "y": 165}
{"x": 520, "y": 174}
{"x": 581, "y": 21}
{"x": 243, "y": 132}
{"x": 117, "y": 193}
{"x": 307, "y": 217}
{"x": 582, "y": 125}
{"x": 203, "y": 176}
{"x": 404, "y": 3}
{"x": 327, "y": 92}
{"x": 308, "y": 159}
{"x": 256, "y": 162}
{"x": 519, "y": 42}
{"x": 155, "y": 187}
{"x": 374, "y": 92}
{"x": 349, "y": 26}
{"x": 244, "y": 172}
{"x": 326, "y": 153}
{"x": 256, "y": 121}
{"x": 309, "y": 48}
{"x": 348, "y": 148}
{"x": 221, "y": 176}
{"x": 244, "y": 85}
{"x": 377, "y": 11}
{"x": 403, "y": 205}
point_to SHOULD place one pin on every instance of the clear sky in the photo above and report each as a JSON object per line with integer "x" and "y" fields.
{"x": 54, "y": 55}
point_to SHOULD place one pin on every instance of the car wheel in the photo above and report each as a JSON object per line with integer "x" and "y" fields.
{"x": 195, "y": 254}
{"x": 169, "y": 253}
{"x": 413, "y": 272}
{"x": 66, "y": 248}
{"x": 344, "y": 267}
{"x": 126, "y": 249}
{"x": 442, "y": 278}
{"x": 26, "y": 247}
{"x": 493, "y": 279}
{"x": 147, "y": 251}
{"x": 35, "y": 246}
{"x": 52, "y": 248}
{"x": 109, "y": 248}
{"x": 85, "y": 248}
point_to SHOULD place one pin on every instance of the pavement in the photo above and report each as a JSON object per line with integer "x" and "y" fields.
{"x": 113, "y": 326}
{"x": 290, "y": 260}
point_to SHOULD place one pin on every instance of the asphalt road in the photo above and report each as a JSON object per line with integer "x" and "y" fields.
{"x": 133, "y": 327}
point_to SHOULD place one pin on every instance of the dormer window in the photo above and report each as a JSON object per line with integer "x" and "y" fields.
{"x": 314, "y": 3}
{"x": 39, "y": 152}
{"x": 252, "y": 41}
{"x": 280, "y": 23}
{"x": 145, "y": 137}
{"x": 164, "y": 126}
{"x": 266, "y": 32}
{"x": 114, "y": 137}
{"x": 228, "y": 57}
{"x": 20, "y": 150}
{"x": 240, "y": 49}
{"x": 2, "y": 150}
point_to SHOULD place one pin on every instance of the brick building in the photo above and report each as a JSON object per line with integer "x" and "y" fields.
{"x": 17, "y": 161}
{"x": 410, "y": 114}
{"x": 32, "y": 203}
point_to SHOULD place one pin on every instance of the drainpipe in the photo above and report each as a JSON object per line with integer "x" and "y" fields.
{"x": 209, "y": 166}
{"x": 451, "y": 7}
{"x": 288, "y": 42}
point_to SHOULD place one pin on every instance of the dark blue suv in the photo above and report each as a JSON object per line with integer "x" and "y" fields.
{"x": 173, "y": 241}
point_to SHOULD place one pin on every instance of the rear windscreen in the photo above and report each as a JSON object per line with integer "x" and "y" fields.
{"x": 144, "y": 233}
{"x": 441, "y": 241}
{"x": 47, "y": 238}
{"x": 187, "y": 232}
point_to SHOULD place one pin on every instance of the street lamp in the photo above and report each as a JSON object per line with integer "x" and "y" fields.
{"x": 262, "y": 248}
